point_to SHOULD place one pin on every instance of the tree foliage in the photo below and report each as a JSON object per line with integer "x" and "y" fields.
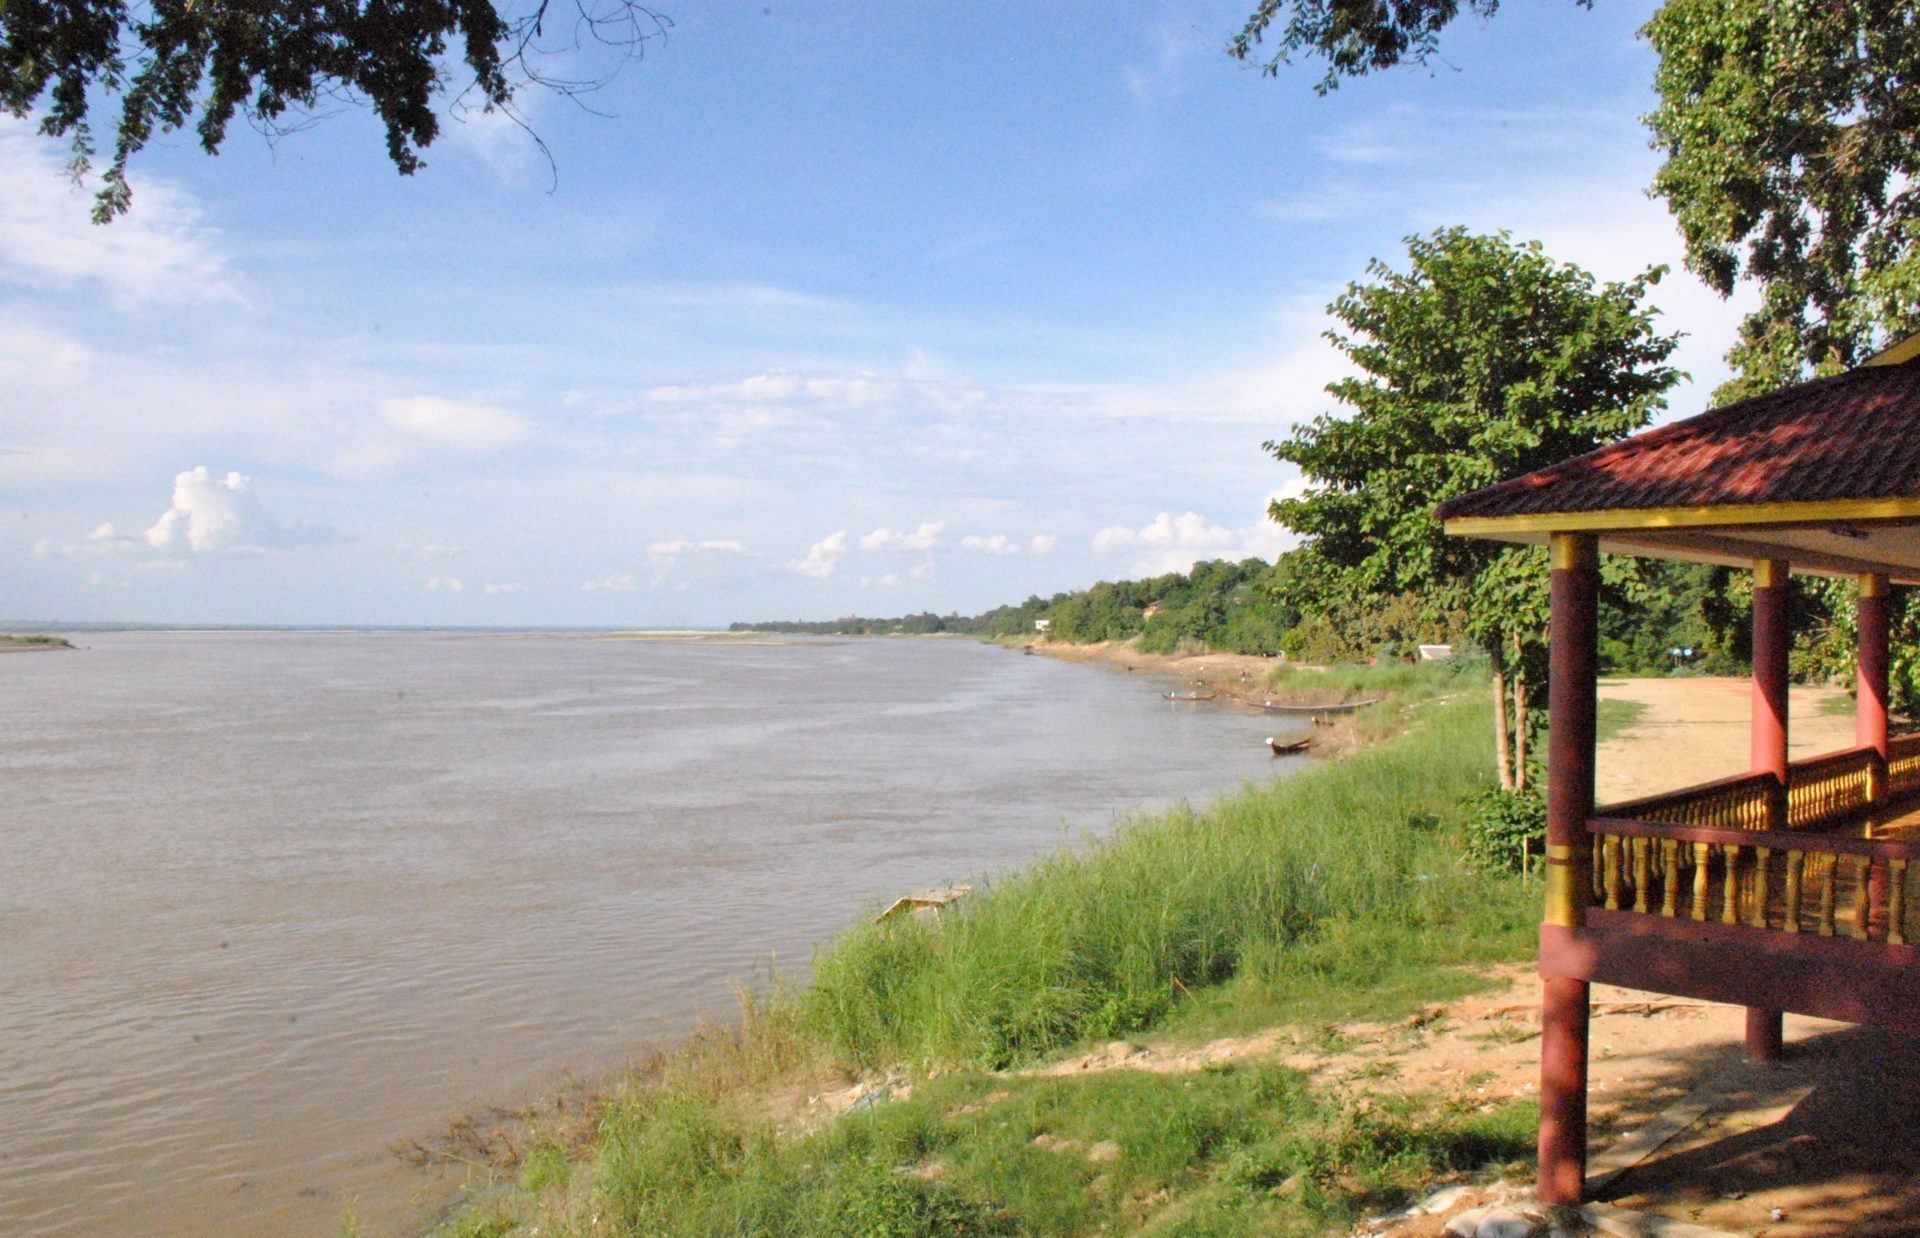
{"x": 1792, "y": 135}
{"x": 174, "y": 63}
{"x": 1484, "y": 359}
{"x": 1354, "y": 37}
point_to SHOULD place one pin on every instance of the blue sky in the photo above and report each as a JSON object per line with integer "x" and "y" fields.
{"x": 851, "y": 308}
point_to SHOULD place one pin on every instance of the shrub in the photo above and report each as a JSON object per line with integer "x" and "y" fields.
{"x": 1504, "y": 828}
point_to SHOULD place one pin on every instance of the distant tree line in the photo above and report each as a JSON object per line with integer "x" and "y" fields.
{"x": 1257, "y": 607}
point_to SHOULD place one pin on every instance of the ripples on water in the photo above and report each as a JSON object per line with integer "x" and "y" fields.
{"x": 271, "y": 902}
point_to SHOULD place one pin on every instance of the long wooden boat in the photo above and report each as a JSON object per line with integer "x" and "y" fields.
{"x": 1344, "y": 707}
{"x": 1192, "y": 696}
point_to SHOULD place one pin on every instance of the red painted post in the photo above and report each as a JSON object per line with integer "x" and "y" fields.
{"x": 1572, "y": 670}
{"x": 1870, "y": 721}
{"x": 1870, "y": 713}
{"x": 1771, "y": 640}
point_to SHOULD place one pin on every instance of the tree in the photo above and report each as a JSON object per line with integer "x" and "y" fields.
{"x": 175, "y": 62}
{"x": 1792, "y": 135}
{"x": 1354, "y": 37}
{"x": 1483, "y": 360}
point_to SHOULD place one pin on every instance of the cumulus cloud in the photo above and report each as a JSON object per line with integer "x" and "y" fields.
{"x": 922, "y": 570}
{"x": 1042, "y": 544}
{"x": 612, "y": 582}
{"x": 822, "y": 557}
{"x": 214, "y": 513}
{"x": 453, "y": 423}
{"x": 1172, "y": 543}
{"x": 445, "y": 584}
{"x": 503, "y": 586}
{"x": 995, "y": 545}
{"x": 926, "y": 537}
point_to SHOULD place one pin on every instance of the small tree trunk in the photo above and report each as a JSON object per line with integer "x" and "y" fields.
{"x": 1502, "y": 753}
{"x": 1519, "y": 718}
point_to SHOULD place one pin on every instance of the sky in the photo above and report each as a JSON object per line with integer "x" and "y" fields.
{"x": 820, "y": 310}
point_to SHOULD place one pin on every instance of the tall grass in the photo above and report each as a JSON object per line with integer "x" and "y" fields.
{"x": 1353, "y": 857}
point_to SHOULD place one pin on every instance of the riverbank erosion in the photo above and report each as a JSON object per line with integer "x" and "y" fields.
{"x": 950, "y": 1074}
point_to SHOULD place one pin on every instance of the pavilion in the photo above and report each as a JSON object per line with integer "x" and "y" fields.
{"x": 1783, "y": 889}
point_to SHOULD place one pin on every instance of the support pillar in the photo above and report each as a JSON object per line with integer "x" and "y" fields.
{"x": 1572, "y": 670}
{"x": 1771, "y": 640}
{"x": 1870, "y": 687}
{"x": 1870, "y": 723}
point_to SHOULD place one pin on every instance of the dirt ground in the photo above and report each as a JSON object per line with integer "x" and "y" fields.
{"x": 1695, "y": 730}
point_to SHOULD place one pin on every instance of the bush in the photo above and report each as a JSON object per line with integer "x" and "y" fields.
{"x": 1504, "y": 828}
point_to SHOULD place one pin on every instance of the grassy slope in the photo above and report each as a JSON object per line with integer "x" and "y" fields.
{"x": 1336, "y": 893}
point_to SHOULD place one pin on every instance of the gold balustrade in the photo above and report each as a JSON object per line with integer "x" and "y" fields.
{"x": 1826, "y": 786}
{"x": 1791, "y": 882}
{"x": 1739, "y": 802}
{"x": 1903, "y": 764}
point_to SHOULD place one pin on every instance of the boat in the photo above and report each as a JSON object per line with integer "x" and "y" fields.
{"x": 1344, "y": 707}
{"x": 1192, "y": 696}
{"x": 1288, "y": 748}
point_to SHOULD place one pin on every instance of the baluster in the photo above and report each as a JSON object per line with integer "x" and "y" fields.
{"x": 1762, "y": 856}
{"x": 1794, "y": 863}
{"x": 1641, "y": 850}
{"x": 1701, "y": 852}
{"x": 1670, "y": 880}
{"x": 1829, "y": 868}
{"x": 1613, "y": 873}
{"x": 1596, "y": 870}
{"x": 1896, "y": 902}
{"x": 1863, "y": 903}
{"x": 1730, "y": 886}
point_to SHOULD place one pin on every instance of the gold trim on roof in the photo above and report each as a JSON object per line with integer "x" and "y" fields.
{"x": 1898, "y": 353}
{"x": 1819, "y": 512}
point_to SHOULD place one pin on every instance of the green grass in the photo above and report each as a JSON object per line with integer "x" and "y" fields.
{"x": 1614, "y": 717}
{"x": 1334, "y": 894}
{"x": 1838, "y": 704}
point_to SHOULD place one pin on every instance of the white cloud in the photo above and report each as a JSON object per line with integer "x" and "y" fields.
{"x": 1042, "y": 544}
{"x": 663, "y": 555}
{"x": 822, "y": 557}
{"x": 995, "y": 545}
{"x": 504, "y": 586}
{"x": 922, "y": 570}
{"x": 926, "y": 537}
{"x": 887, "y": 581}
{"x": 428, "y": 551}
{"x": 1175, "y": 543}
{"x": 211, "y": 513}
{"x": 448, "y": 584}
{"x": 160, "y": 252}
{"x": 612, "y": 582}
{"x": 453, "y": 423}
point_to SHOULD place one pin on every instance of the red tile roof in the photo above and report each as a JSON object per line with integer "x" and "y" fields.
{"x": 1852, "y": 436}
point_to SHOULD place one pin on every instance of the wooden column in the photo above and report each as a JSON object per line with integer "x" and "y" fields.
{"x": 1572, "y": 669}
{"x": 1870, "y": 710}
{"x": 1870, "y": 725}
{"x": 1771, "y": 640}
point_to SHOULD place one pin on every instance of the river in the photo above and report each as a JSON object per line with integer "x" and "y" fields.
{"x": 271, "y": 903}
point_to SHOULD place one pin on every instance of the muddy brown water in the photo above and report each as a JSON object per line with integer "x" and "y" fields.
{"x": 271, "y": 903}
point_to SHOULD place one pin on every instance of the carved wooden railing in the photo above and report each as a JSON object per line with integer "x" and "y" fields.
{"x": 1819, "y": 789}
{"x": 1739, "y": 802}
{"x": 1822, "y": 884}
{"x": 1827, "y": 786}
{"x": 1903, "y": 764}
